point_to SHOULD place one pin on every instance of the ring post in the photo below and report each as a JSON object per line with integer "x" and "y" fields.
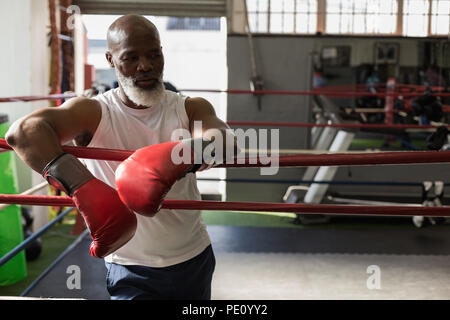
{"x": 11, "y": 232}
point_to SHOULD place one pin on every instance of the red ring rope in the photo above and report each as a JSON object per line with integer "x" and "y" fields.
{"x": 332, "y": 125}
{"x": 300, "y": 160}
{"x": 237, "y": 91}
{"x": 252, "y": 206}
{"x": 341, "y": 159}
{"x": 380, "y": 87}
{"x": 315, "y": 93}
{"x": 37, "y": 98}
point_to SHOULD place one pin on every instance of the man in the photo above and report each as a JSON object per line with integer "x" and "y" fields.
{"x": 148, "y": 256}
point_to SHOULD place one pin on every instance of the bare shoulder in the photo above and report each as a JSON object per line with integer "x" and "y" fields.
{"x": 82, "y": 103}
{"x": 88, "y": 111}
{"x": 198, "y": 105}
{"x": 77, "y": 118}
{"x": 84, "y": 110}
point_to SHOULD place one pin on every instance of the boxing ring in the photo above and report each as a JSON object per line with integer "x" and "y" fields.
{"x": 309, "y": 261}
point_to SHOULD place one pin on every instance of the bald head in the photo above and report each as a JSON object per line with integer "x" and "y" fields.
{"x": 134, "y": 45}
{"x": 130, "y": 27}
{"x": 134, "y": 50}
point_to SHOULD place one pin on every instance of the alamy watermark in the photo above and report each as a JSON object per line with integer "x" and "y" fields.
{"x": 73, "y": 282}
{"x": 72, "y": 11}
{"x": 230, "y": 146}
{"x": 374, "y": 280}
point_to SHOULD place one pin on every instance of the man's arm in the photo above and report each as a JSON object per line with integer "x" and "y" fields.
{"x": 37, "y": 138}
{"x": 199, "y": 109}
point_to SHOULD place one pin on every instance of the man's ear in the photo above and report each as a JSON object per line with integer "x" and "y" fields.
{"x": 109, "y": 59}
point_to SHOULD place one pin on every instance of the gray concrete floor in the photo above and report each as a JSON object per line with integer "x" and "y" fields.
{"x": 296, "y": 264}
{"x": 332, "y": 263}
{"x": 297, "y": 276}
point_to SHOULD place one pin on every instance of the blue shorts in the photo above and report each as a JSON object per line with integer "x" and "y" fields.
{"x": 189, "y": 280}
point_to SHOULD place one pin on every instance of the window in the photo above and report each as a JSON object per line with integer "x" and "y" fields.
{"x": 282, "y": 16}
{"x": 193, "y": 23}
{"x": 306, "y": 18}
{"x": 415, "y": 18}
{"x": 258, "y": 12}
{"x": 361, "y": 16}
{"x": 410, "y": 18}
{"x": 440, "y": 13}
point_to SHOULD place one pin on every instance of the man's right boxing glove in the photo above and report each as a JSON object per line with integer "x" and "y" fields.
{"x": 109, "y": 221}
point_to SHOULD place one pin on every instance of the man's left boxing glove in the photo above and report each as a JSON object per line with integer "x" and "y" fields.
{"x": 110, "y": 222}
{"x": 144, "y": 178}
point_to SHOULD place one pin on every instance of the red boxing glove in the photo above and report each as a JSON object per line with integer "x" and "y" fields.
{"x": 144, "y": 178}
{"x": 110, "y": 223}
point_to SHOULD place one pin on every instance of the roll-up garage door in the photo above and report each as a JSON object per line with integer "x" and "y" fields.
{"x": 180, "y": 8}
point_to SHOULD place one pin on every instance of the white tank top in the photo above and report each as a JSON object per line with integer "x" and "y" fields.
{"x": 171, "y": 236}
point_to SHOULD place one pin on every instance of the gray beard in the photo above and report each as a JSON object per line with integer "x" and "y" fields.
{"x": 141, "y": 97}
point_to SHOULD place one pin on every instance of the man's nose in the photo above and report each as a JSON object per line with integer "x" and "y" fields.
{"x": 145, "y": 64}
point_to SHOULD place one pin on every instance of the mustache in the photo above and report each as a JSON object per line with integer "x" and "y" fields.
{"x": 146, "y": 76}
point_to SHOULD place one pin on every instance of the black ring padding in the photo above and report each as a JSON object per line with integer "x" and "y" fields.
{"x": 33, "y": 237}
{"x": 72, "y": 246}
{"x": 52, "y": 162}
